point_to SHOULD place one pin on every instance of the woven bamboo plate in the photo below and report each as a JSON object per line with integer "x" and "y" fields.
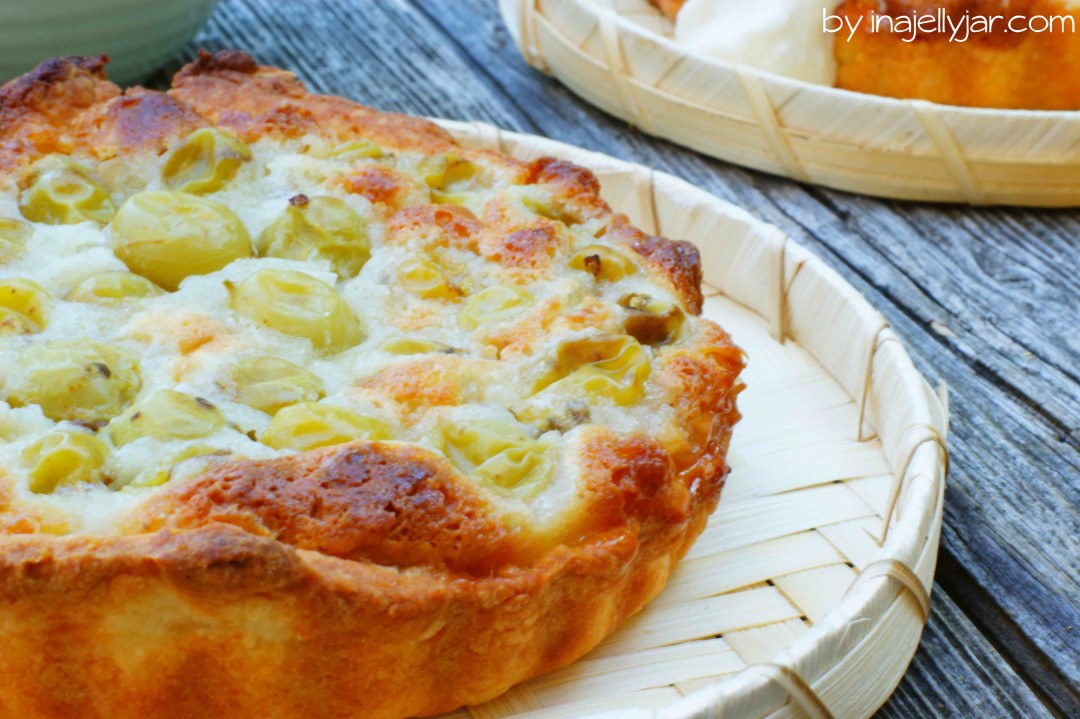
{"x": 807, "y": 593}
{"x": 617, "y": 54}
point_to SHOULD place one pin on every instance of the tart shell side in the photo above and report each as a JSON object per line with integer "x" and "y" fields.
{"x": 216, "y": 622}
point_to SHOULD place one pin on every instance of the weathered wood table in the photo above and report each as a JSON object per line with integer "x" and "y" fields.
{"x": 987, "y": 300}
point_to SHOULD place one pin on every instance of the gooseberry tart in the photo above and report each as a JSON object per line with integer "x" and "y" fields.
{"x": 309, "y": 411}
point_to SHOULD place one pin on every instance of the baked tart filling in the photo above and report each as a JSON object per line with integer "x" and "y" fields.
{"x": 239, "y": 309}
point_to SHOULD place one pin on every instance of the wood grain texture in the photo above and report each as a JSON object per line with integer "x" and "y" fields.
{"x": 956, "y": 672}
{"x": 987, "y": 300}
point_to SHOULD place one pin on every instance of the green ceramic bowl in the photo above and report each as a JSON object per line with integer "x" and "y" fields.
{"x": 139, "y": 35}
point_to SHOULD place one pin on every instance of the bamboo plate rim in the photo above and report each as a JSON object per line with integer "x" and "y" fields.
{"x": 859, "y": 142}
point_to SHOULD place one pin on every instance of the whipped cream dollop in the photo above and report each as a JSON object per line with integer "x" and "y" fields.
{"x": 784, "y": 37}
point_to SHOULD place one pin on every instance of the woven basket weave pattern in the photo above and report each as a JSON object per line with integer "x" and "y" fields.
{"x": 617, "y": 54}
{"x": 807, "y": 593}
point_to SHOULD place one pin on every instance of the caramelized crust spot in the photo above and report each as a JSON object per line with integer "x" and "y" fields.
{"x": 677, "y": 260}
{"x": 414, "y": 385}
{"x": 532, "y": 247}
{"x": 703, "y": 385}
{"x": 55, "y": 87}
{"x": 571, "y": 183}
{"x": 37, "y": 110}
{"x": 394, "y": 505}
{"x": 380, "y": 185}
{"x": 219, "y": 63}
{"x": 631, "y": 484}
{"x": 552, "y": 316}
{"x": 436, "y": 225}
{"x": 140, "y": 119}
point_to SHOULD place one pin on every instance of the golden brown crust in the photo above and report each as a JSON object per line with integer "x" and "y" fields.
{"x": 531, "y": 247}
{"x": 676, "y": 261}
{"x": 67, "y": 105}
{"x": 392, "y": 505}
{"x": 574, "y": 184}
{"x": 429, "y": 382}
{"x": 703, "y": 387}
{"x": 231, "y": 90}
{"x": 436, "y": 225}
{"x": 365, "y": 579}
{"x": 139, "y": 120}
{"x": 39, "y": 109}
{"x": 380, "y": 185}
{"x": 222, "y": 624}
{"x": 1022, "y": 70}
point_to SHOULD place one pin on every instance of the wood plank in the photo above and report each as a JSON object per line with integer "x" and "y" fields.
{"x": 957, "y": 673}
{"x": 1011, "y": 518}
{"x": 983, "y": 299}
